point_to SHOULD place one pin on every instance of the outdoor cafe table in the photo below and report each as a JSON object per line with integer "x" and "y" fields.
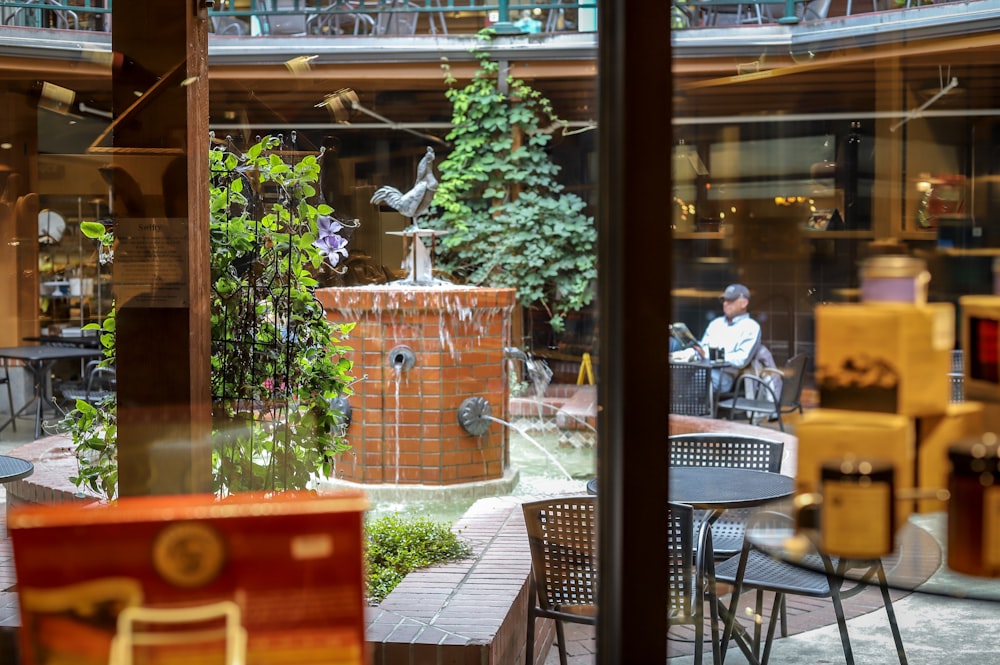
{"x": 39, "y": 360}
{"x": 14, "y": 468}
{"x": 717, "y": 489}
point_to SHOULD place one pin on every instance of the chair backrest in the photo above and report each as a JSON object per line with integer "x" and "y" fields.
{"x": 683, "y": 595}
{"x": 689, "y": 389}
{"x": 726, "y": 450}
{"x": 286, "y": 24}
{"x": 397, "y": 23}
{"x": 792, "y": 381}
{"x": 562, "y": 539}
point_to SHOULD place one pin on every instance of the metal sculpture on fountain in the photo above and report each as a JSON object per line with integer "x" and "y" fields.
{"x": 413, "y": 204}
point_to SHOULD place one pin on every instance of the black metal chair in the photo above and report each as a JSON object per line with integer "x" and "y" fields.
{"x": 753, "y": 396}
{"x": 99, "y": 383}
{"x": 690, "y": 389}
{"x": 5, "y": 379}
{"x": 691, "y": 577}
{"x": 732, "y": 451}
{"x": 563, "y": 585}
{"x": 815, "y": 575}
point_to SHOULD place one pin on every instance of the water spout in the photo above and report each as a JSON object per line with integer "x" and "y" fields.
{"x": 474, "y": 415}
{"x": 402, "y": 358}
{"x": 527, "y": 437}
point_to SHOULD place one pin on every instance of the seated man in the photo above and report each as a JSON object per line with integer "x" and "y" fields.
{"x": 735, "y": 333}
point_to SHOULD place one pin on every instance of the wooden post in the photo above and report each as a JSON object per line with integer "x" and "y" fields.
{"x": 158, "y": 170}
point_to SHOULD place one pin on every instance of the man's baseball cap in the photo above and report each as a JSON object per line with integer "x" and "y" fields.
{"x": 734, "y": 292}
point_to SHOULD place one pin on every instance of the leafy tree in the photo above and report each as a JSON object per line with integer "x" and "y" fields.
{"x": 511, "y": 223}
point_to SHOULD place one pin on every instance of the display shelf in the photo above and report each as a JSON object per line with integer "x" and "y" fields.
{"x": 865, "y": 234}
{"x": 699, "y": 235}
{"x": 918, "y": 235}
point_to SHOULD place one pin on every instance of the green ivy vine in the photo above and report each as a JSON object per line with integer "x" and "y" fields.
{"x": 511, "y": 222}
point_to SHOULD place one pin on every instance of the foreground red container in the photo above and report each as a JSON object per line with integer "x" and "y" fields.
{"x": 257, "y": 579}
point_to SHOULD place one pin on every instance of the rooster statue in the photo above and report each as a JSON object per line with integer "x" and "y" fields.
{"x": 417, "y": 201}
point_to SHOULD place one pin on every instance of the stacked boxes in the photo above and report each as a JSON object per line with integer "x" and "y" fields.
{"x": 882, "y": 370}
{"x": 936, "y": 434}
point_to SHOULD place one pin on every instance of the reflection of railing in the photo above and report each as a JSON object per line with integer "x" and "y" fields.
{"x": 331, "y": 17}
{"x": 57, "y": 14}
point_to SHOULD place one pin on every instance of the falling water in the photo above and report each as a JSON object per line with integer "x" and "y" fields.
{"x": 397, "y": 377}
{"x": 527, "y": 437}
{"x": 555, "y": 407}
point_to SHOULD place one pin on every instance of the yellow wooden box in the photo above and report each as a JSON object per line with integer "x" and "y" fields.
{"x": 887, "y": 357}
{"x": 935, "y": 434}
{"x": 832, "y": 434}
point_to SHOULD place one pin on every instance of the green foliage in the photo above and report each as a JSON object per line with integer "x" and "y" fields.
{"x": 512, "y": 224}
{"x": 276, "y": 360}
{"x": 94, "y": 428}
{"x": 397, "y": 546}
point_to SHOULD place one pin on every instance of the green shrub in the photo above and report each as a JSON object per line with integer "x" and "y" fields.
{"x": 397, "y": 545}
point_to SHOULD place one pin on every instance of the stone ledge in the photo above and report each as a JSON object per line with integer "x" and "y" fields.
{"x": 49, "y": 483}
{"x": 471, "y": 611}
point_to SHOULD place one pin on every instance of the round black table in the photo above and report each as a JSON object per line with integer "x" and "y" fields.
{"x": 14, "y": 468}
{"x": 718, "y": 488}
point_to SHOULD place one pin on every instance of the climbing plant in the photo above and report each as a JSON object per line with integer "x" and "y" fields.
{"x": 276, "y": 362}
{"x": 511, "y": 222}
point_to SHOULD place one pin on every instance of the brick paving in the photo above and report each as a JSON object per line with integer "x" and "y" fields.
{"x": 804, "y": 614}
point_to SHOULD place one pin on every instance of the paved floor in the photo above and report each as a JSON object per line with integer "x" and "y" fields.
{"x": 935, "y": 628}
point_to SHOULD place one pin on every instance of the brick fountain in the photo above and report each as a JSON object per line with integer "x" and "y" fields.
{"x": 432, "y": 362}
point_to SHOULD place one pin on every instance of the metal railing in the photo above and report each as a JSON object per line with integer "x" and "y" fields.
{"x": 331, "y": 17}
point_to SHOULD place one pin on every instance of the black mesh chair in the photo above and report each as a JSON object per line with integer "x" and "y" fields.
{"x": 563, "y": 585}
{"x": 733, "y": 451}
{"x": 690, "y": 389}
{"x": 815, "y": 576}
{"x": 753, "y": 396}
{"x": 691, "y": 578}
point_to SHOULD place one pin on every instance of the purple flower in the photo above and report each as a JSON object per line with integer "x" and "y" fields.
{"x": 328, "y": 240}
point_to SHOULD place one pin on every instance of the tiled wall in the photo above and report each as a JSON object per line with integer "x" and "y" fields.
{"x": 404, "y": 427}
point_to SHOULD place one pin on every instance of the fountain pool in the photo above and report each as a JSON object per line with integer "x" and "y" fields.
{"x": 536, "y": 472}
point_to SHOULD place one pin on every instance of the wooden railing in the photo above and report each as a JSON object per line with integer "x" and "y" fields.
{"x": 331, "y": 17}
